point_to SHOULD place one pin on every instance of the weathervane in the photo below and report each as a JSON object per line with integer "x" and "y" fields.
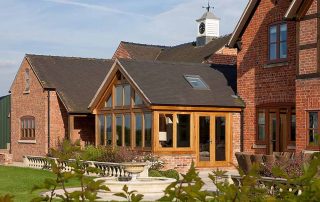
{"x": 208, "y": 7}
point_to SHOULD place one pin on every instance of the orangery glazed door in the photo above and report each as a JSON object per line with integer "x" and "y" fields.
{"x": 213, "y": 139}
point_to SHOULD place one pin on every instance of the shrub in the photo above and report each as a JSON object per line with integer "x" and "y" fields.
{"x": 170, "y": 174}
{"x": 167, "y": 173}
{"x": 155, "y": 173}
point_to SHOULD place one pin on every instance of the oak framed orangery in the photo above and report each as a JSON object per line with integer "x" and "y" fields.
{"x": 181, "y": 112}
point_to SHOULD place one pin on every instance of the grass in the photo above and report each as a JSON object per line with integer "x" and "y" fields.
{"x": 19, "y": 182}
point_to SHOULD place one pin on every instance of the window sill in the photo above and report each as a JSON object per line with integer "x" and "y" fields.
{"x": 26, "y": 92}
{"x": 259, "y": 146}
{"x": 27, "y": 141}
{"x": 276, "y": 64}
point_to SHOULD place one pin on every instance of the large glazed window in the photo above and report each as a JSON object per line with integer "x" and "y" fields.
{"x": 166, "y": 130}
{"x": 119, "y": 95}
{"x": 183, "y": 130}
{"x": 27, "y": 128}
{"x": 119, "y": 130}
{"x": 148, "y": 129}
{"x": 127, "y": 129}
{"x": 138, "y": 130}
{"x": 278, "y": 42}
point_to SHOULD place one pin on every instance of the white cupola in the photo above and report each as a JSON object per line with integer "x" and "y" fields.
{"x": 208, "y": 27}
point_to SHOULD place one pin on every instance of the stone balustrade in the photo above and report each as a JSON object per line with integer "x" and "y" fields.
{"x": 107, "y": 169}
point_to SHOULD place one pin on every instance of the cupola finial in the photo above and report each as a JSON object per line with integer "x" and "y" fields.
{"x": 208, "y": 7}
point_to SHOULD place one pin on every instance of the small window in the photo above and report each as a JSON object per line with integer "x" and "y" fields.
{"x": 27, "y": 128}
{"x": 166, "y": 130}
{"x": 108, "y": 103}
{"x": 119, "y": 95}
{"x": 137, "y": 99}
{"x": 127, "y": 95}
{"x": 313, "y": 128}
{"x": 278, "y": 42}
{"x": 196, "y": 82}
{"x": 27, "y": 80}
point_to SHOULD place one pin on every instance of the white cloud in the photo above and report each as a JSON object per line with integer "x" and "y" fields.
{"x": 96, "y": 7}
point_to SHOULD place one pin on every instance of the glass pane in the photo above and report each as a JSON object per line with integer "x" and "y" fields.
{"x": 283, "y": 49}
{"x": 119, "y": 130}
{"x": 109, "y": 129}
{"x": 127, "y": 129}
{"x": 183, "y": 130}
{"x": 283, "y": 32}
{"x": 196, "y": 82}
{"x": 101, "y": 129}
{"x": 261, "y": 126}
{"x": 127, "y": 95}
{"x": 204, "y": 138}
{"x": 273, "y": 131}
{"x": 166, "y": 130}
{"x": 293, "y": 128}
{"x": 119, "y": 95}
{"x": 220, "y": 139}
{"x": 138, "y": 130}
{"x": 273, "y": 51}
{"x": 137, "y": 99}
{"x": 147, "y": 130}
{"x": 313, "y": 120}
{"x": 273, "y": 34}
{"x": 108, "y": 103}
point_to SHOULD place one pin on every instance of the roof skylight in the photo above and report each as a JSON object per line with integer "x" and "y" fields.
{"x": 196, "y": 82}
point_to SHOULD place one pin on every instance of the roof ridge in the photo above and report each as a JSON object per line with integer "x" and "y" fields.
{"x": 143, "y": 44}
{"x": 69, "y": 57}
{"x": 166, "y": 62}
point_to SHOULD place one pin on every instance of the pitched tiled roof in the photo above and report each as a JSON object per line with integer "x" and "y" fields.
{"x": 74, "y": 79}
{"x": 189, "y": 52}
{"x": 143, "y": 51}
{"x": 164, "y": 83}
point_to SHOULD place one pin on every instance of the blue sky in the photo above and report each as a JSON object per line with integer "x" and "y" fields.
{"x": 94, "y": 28}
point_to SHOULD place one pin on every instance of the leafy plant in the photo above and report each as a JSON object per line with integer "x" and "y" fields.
{"x": 78, "y": 168}
{"x": 130, "y": 196}
{"x": 188, "y": 189}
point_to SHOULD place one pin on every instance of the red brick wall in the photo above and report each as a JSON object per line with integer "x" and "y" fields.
{"x": 32, "y": 104}
{"x": 308, "y": 98}
{"x": 227, "y": 56}
{"x": 179, "y": 162}
{"x": 236, "y": 136}
{"x": 121, "y": 52}
{"x": 258, "y": 82}
{"x": 307, "y": 89}
{"x": 58, "y": 120}
{"x": 308, "y": 36}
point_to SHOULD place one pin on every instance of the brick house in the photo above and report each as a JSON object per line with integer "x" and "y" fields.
{"x": 49, "y": 100}
{"x": 51, "y": 94}
{"x": 278, "y": 74}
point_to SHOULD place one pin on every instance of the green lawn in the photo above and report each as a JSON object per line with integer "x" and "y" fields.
{"x": 19, "y": 182}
